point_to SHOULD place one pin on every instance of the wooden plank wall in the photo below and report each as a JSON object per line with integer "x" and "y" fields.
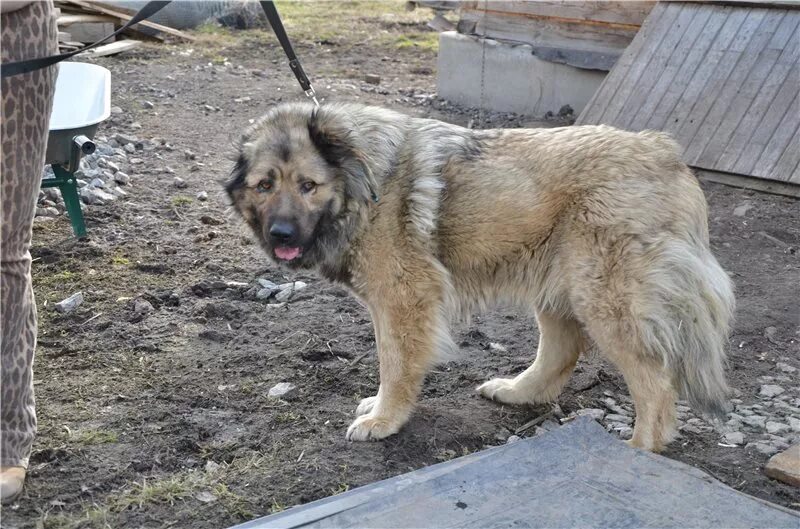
{"x": 723, "y": 80}
{"x": 591, "y": 25}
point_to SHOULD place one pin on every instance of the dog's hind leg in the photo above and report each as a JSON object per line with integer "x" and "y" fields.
{"x": 648, "y": 380}
{"x": 561, "y": 341}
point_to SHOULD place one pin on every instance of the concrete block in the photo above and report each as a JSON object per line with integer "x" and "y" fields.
{"x": 785, "y": 466}
{"x": 88, "y": 32}
{"x": 515, "y": 80}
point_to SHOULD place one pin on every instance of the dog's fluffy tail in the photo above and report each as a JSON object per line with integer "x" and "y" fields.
{"x": 688, "y": 324}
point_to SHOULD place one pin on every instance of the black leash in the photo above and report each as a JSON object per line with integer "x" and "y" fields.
{"x": 20, "y": 67}
{"x": 294, "y": 63}
{"x": 151, "y": 8}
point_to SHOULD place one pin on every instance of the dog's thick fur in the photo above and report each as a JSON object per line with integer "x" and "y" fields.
{"x": 602, "y": 233}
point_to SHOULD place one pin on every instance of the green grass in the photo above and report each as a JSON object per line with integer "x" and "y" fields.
{"x": 172, "y": 490}
{"x": 424, "y": 41}
{"x": 235, "y": 505}
{"x": 276, "y": 506}
{"x": 94, "y": 437}
{"x": 57, "y": 279}
{"x": 180, "y": 201}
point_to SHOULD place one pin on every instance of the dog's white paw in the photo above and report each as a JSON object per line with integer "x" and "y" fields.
{"x": 502, "y": 390}
{"x": 369, "y": 428}
{"x": 366, "y": 405}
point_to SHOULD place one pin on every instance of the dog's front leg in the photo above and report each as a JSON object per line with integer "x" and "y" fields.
{"x": 405, "y": 332}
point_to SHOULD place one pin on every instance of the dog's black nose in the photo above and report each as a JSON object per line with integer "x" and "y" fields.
{"x": 282, "y": 231}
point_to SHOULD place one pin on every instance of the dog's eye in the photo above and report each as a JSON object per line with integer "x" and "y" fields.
{"x": 308, "y": 186}
{"x": 264, "y": 186}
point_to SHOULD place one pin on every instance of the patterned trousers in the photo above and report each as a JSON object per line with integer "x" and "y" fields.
{"x": 27, "y": 100}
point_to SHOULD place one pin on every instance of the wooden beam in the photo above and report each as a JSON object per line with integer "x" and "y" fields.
{"x": 747, "y": 182}
{"x": 115, "y": 12}
{"x": 550, "y": 18}
{"x": 111, "y": 49}
{"x": 68, "y": 20}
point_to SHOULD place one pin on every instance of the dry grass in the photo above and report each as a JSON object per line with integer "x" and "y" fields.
{"x": 344, "y": 24}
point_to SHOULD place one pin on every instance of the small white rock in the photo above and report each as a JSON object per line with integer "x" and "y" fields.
{"x": 595, "y": 413}
{"x": 205, "y": 496}
{"x": 513, "y": 439}
{"x": 264, "y": 293}
{"x": 764, "y": 448}
{"x": 497, "y": 347}
{"x": 296, "y": 285}
{"x": 202, "y": 196}
{"x": 616, "y": 417}
{"x": 612, "y": 405}
{"x": 121, "y": 178}
{"x": 281, "y": 390}
{"x": 212, "y": 467}
{"x": 70, "y": 304}
{"x": 287, "y": 292}
{"x": 786, "y": 368}
{"x": 142, "y": 307}
{"x": 266, "y": 283}
{"x": 771, "y": 390}
{"x": 777, "y": 428}
{"x": 691, "y": 429}
{"x": 756, "y": 421}
{"x": 734, "y": 438}
{"x": 625, "y": 433}
{"x": 742, "y": 209}
{"x": 179, "y": 182}
{"x": 794, "y": 424}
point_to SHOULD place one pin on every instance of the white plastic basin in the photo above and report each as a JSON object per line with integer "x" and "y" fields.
{"x": 82, "y": 100}
{"x": 83, "y": 96}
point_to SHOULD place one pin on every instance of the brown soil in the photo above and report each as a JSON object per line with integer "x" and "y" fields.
{"x": 136, "y": 413}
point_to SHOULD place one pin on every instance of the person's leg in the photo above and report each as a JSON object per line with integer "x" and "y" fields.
{"x": 27, "y": 100}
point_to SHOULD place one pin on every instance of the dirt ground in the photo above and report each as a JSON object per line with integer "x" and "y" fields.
{"x": 162, "y": 419}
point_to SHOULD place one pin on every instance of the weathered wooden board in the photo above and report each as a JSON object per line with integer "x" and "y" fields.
{"x": 724, "y": 80}
{"x": 112, "y": 49}
{"x": 69, "y": 19}
{"x": 630, "y": 12}
{"x": 118, "y": 13}
{"x": 547, "y": 32}
{"x": 597, "y": 27}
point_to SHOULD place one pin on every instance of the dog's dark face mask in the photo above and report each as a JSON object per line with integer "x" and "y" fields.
{"x": 287, "y": 192}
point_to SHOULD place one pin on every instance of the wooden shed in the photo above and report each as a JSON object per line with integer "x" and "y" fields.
{"x": 724, "y": 79}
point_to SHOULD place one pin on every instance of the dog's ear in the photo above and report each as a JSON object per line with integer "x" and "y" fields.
{"x": 333, "y": 139}
{"x": 330, "y": 138}
{"x": 238, "y": 173}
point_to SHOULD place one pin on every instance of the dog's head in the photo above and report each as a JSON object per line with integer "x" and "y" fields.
{"x": 297, "y": 174}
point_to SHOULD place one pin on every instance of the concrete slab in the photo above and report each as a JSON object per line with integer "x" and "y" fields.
{"x": 514, "y": 79}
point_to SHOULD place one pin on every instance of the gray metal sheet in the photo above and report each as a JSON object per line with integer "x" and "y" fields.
{"x": 575, "y": 476}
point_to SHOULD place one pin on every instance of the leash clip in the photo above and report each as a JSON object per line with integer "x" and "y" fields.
{"x": 311, "y": 94}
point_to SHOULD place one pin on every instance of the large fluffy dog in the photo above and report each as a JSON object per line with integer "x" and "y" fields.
{"x": 602, "y": 233}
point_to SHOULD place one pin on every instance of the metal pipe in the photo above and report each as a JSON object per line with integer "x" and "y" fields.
{"x": 84, "y": 144}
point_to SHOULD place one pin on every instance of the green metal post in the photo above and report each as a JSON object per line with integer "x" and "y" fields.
{"x": 65, "y": 181}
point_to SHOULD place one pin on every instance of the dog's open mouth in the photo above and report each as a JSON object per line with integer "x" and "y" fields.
{"x": 288, "y": 253}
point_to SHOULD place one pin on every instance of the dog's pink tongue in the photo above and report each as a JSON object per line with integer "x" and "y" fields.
{"x": 287, "y": 254}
